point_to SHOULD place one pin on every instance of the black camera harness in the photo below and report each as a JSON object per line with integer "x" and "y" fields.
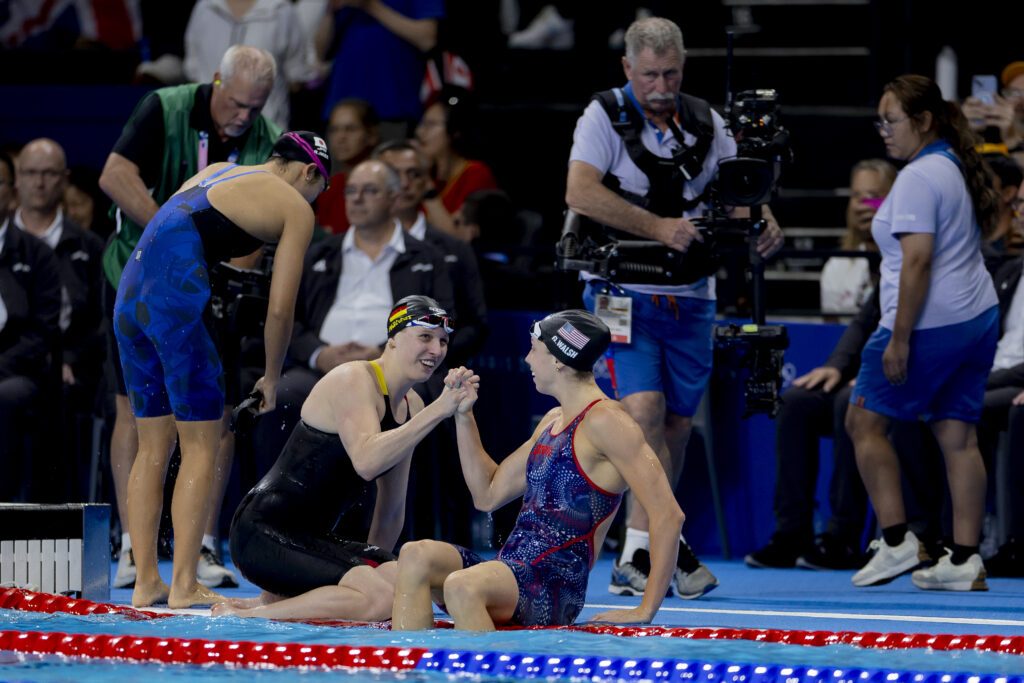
{"x": 666, "y": 175}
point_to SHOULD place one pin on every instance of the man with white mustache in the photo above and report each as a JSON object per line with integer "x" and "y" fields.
{"x": 349, "y": 283}
{"x": 642, "y": 158}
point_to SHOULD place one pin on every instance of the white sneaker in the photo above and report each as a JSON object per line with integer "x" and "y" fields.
{"x": 125, "y": 576}
{"x": 946, "y": 576}
{"x": 630, "y": 578}
{"x": 693, "y": 584}
{"x": 548, "y": 30}
{"x": 212, "y": 573}
{"x": 889, "y": 562}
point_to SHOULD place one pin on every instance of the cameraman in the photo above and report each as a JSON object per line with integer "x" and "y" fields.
{"x": 661, "y": 375}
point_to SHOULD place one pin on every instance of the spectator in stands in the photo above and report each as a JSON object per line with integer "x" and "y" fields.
{"x": 41, "y": 181}
{"x": 1002, "y": 120}
{"x": 1006, "y": 179}
{"x": 388, "y": 39}
{"x": 662, "y": 374}
{"x": 8, "y": 195}
{"x": 470, "y": 308}
{"x": 352, "y": 133}
{"x": 348, "y": 282}
{"x": 846, "y": 283}
{"x": 445, "y": 136}
{"x": 85, "y": 203}
{"x": 933, "y": 349}
{"x": 1004, "y": 407}
{"x": 174, "y": 133}
{"x": 216, "y": 25}
{"x": 29, "y": 337}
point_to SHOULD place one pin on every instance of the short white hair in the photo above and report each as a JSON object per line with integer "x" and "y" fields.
{"x": 255, "y": 63}
{"x": 655, "y": 33}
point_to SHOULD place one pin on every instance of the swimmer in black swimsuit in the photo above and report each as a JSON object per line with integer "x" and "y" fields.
{"x": 359, "y": 427}
{"x": 571, "y": 473}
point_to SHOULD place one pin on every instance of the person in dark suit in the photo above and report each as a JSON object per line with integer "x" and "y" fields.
{"x": 29, "y": 341}
{"x": 1004, "y": 410}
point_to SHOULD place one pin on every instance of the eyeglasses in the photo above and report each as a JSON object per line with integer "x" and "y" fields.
{"x": 47, "y": 174}
{"x": 432, "y": 322}
{"x": 1013, "y": 93}
{"x": 884, "y": 126}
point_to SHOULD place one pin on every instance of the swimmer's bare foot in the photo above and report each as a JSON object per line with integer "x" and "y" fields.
{"x": 264, "y": 598}
{"x": 226, "y": 609}
{"x": 145, "y": 595}
{"x": 199, "y": 595}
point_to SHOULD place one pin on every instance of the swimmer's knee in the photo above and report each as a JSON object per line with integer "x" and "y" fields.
{"x": 416, "y": 555}
{"x": 461, "y": 590}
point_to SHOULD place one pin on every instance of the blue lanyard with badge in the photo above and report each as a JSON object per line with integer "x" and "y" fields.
{"x": 204, "y": 152}
{"x": 615, "y": 310}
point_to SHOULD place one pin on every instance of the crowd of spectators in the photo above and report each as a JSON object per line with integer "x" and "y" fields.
{"x": 413, "y": 207}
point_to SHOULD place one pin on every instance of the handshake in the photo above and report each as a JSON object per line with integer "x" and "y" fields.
{"x": 460, "y": 391}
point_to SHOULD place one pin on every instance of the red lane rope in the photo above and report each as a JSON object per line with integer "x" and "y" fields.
{"x": 199, "y": 651}
{"x": 16, "y": 598}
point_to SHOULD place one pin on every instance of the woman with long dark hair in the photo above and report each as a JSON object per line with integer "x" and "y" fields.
{"x": 931, "y": 354}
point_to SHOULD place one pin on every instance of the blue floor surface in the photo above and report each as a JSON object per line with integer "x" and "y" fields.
{"x": 799, "y": 599}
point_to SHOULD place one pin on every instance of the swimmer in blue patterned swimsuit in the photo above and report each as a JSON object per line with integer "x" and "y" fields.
{"x": 171, "y": 366}
{"x": 572, "y": 474}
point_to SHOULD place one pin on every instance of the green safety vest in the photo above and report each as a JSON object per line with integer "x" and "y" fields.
{"x": 181, "y": 154}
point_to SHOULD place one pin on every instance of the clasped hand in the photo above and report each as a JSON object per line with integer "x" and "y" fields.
{"x": 460, "y": 390}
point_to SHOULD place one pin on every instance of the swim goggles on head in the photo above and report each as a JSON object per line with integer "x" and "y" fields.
{"x": 432, "y": 322}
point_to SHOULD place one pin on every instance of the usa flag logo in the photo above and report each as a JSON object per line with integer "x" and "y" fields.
{"x": 573, "y": 336}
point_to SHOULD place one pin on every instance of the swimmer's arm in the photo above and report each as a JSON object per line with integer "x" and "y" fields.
{"x": 492, "y": 485}
{"x": 372, "y": 451}
{"x": 284, "y": 285}
{"x": 389, "y": 511}
{"x": 122, "y": 181}
{"x": 619, "y": 438}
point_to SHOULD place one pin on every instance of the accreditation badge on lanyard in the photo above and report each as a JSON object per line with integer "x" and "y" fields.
{"x": 617, "y": 313}
{"x": 203, "y": 152}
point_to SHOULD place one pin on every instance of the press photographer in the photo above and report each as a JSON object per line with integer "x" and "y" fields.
{"x": 642, "y": 161}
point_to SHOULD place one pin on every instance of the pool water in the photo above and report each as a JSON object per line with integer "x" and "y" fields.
{"x": 19, "y": 667}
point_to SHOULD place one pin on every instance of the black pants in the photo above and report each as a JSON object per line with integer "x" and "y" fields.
{"x": 1000, "y": 414}
{"x": 18, "y": 398}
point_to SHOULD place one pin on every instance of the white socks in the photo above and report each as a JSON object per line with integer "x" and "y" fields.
{"x": 635, "y": 540}
{"x": 209, "y": 542}
{"x": 126, "y": 542}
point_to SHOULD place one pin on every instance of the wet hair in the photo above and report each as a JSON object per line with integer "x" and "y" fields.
{"x": 654, "y": 33}
{"x": 254, "y": 62}
{"x": 919, "y": 95}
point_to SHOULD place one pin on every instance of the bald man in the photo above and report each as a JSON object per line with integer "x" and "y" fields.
{"x": 41, "y": 179}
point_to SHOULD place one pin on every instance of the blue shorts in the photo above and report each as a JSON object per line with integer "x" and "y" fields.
{"x": 946, "y": 372}
{"x": 671, "y": 351}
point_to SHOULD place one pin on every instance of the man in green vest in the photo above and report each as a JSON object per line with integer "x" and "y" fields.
{"x": 173, "y": 134}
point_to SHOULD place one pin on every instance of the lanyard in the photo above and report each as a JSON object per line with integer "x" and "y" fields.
{"x": 204, "y": 152}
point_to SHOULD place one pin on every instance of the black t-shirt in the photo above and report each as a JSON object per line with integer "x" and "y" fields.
{"x": 142, "y": 140}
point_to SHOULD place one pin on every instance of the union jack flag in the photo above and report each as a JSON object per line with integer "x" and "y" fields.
{"x": 573, "y": 336}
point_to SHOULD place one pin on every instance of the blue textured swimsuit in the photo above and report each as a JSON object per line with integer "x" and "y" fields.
{"x": 170, "y": 361}
{"x": 551, "y": 549}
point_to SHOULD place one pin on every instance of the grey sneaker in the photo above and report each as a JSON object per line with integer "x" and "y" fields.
{"x": 630, "y": 578}
{"x": 946, "y": 576}
{"x": 690, "y": 585}
{"x": 212, "y": 573}
{"x": 888, "y": 562}
{"x": 125, "y": 576}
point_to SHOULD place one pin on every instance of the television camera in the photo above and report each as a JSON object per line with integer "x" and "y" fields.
{"x": 749, "y": 179}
